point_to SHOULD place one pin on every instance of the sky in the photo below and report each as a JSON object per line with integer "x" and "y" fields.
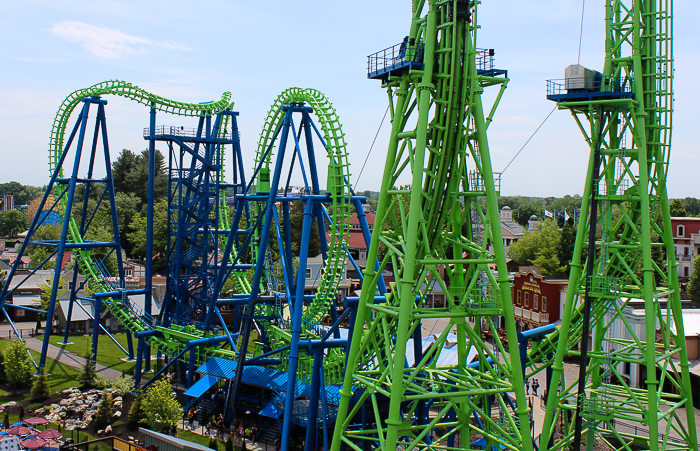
{"x": 194, "y": 51}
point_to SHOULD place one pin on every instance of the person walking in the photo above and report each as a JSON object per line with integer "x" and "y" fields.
{"x": 527, "y": 386}
{"x": 254, "y": 433}
{"x": 535, "y": 386}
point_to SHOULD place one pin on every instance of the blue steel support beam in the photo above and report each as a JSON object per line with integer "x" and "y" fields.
{"x": 147, "y": 305}
{"x": 264, "y": 241}
{"x": 64, "y": 232}
{"x": 73, "y": 293}
{"x": 296, "y": 325}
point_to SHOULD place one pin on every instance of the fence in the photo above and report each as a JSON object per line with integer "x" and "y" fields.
{"x": 105, "y": 444}
{"x": 11, "y": 335}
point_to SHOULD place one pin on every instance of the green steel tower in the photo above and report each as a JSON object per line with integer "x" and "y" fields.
{"x": 633, "y": 388}
{"x": 442, "y": 233}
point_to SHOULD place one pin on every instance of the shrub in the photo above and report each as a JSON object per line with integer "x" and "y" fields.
{"x": 88, "y": 376}
{"x": 229, "y": 443}
{"x": 136, "y": 414}
{"x": 18, "y": 364}
{"x": 213, "y": 444}
{"x": 104, "y": 411}
{"x": 40, "y": 388}
{"x": 123, "y": 385}
{"x": 161, "y": 407}
{"x": 118, "y": 423}
{"x": 32, "y": 407}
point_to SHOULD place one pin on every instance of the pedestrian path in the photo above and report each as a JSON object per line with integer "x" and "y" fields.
{"x": 71, "y": 359}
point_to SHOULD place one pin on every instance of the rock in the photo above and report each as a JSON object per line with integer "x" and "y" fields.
{"x": 100, "y": 432}
{"x": 62, "y": 414}
{"x": 10, "y": 404}
{"x": 67, "y": 391}
{"x": 118, "y": 399}
{"x": 117, "y": 414}
{"x": 39, "y": 411}
{"x": 108, "y": 429}
{"x": 64, "y": 402}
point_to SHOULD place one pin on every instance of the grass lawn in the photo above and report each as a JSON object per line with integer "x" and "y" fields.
{"x": 108, "y": 353}
{"x": 60, "y": 376}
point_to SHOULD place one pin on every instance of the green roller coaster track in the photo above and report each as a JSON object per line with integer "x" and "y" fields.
{"x": 634, "y": 390}
{"x": 437, "y": 232}
{"x": 174, "y": 339}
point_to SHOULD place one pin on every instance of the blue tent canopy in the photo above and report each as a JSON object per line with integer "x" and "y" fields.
{"x": 201, "y": 386}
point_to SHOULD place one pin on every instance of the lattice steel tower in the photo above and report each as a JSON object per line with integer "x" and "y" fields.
{"x": 435, "y": 235}
{"x": 633, "y": 381}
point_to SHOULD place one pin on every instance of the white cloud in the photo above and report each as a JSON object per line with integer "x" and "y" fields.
{"x": 108, "y": 42}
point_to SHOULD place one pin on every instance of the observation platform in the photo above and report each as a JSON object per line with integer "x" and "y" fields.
{"x": 394, "y": 60}
{"x": 586, "y": 89}
{"x": 187, "y": 134}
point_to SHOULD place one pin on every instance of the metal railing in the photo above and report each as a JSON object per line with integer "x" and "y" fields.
{"x": 624, "y": 427}
{"x": 598, "y": 83}
{"x": 172, "y": 130}
{"x": 484, "y": 59}
{"x": 395, "y": 57}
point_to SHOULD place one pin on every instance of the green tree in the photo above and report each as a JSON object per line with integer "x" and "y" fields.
{"x": 692, "y": 206}
{"x": 693, "y": 288}
{"x": 18, "y": 364}
{"x": 137, "y": 415}
{"x": 137, "y": 179}
{"x": 40, "y": 387}
{"x": 88, "y": 376}
{"x": 22, "y": 194}
{"x": 296, "y": 220}
{"x": 540, "y": 248}
{"x": 213, "y": 444}
{"x": 229, "y": 443}
{"x": 566, "y": 244}
{"x": 12, "y": 222}
{"x": 124, "y": 165}
{"x": 677, "y": 208}
{"x": 40, "y": 254}
{"x": 161, "y": 407}
{"x": 137, "y": 234}
{"x": 104, "y": 411}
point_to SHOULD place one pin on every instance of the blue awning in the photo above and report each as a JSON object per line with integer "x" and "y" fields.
{"x": 201, "y": 386}
{"x": 275, "y": 408}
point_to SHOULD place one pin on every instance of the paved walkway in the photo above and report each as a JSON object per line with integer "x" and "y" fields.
{"x": 71, "y": 359}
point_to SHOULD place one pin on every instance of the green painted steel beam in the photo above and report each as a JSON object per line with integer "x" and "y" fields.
{"x": 443, "y": 229}
{"x": 627, "y": 262}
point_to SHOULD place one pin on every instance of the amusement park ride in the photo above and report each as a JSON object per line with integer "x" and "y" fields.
{"x": 374, "y": 384}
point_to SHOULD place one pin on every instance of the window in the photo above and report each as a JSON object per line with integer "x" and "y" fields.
{"x": 308, "y": 273}
{"x": 535, "y": 301}
{"x": 519, "y": 300}
{"x": 685, "y": 251}
{"x": 686, "y": 272}
{"x": 681, "y": 230}
{"x": 544, "y": 303}
{"x": 20, "y": 313}
{"x": 527, "y": 299}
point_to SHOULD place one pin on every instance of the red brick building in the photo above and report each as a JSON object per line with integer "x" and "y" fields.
{"x": 537, "y": 299}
